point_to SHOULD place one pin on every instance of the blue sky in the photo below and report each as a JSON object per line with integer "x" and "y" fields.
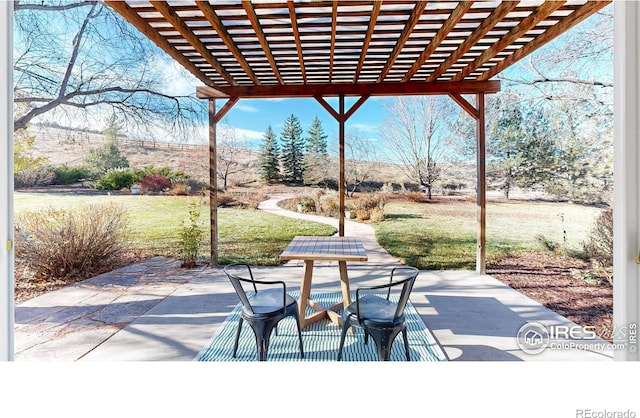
{"x": 251, "y": 117}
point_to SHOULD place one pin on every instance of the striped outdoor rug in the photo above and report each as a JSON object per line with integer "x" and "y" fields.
{"x": 321, "y": 340}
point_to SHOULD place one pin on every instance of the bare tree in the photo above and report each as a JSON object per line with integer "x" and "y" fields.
{"x": 415, "y": 132}
{"x": 83, "y": 61}
{"x": 229, "y": 153}
{"x": 575, "y": 67}
{"x": 361, "y": 160}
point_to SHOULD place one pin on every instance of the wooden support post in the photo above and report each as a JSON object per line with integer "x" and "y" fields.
{"x": 214, "y": 118}
{"x": 213, "y": 182}
{"x": 341, "y": 182}
{"x": 341, "y": 116}
{"x": 481, "y": 252}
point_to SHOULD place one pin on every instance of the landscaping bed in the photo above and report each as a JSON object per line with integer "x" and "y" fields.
{"x": 550, "y": 280}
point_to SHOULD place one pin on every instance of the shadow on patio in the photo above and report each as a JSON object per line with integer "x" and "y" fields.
{"x": 155, "y": 311}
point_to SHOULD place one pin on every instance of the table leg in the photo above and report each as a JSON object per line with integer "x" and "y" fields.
{"x": 344, "y": 284}
{"x": 305, "y": 291}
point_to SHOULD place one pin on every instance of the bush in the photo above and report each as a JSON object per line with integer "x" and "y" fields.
{"x": 155, "y": 183}
{"x": 225, "y": 199}
{"x": 415, "y": 196}
{"x": 115, "y": 179}
{"x": 69, "y": 174}
{"x": 179, "y": 188}
{"x": 57, "y": 243}
{"x": 34, "y": 177}
{"x": 191, "y": 236}
{"x": 599, "y": 247}
{"x": 104, "y": 158}
{"x": 250, "y": 200}
{"x": 376, "y": 215}
{"x": 167, "y": 172}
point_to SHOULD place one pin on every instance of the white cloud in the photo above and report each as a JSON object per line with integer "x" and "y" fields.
{"x": 246, "y": 108}
{"x": 179, "y": 81}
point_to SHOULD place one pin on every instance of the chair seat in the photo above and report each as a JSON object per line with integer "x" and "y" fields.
{"x": 268, "y": 301}
{"x": 375, "y": 311}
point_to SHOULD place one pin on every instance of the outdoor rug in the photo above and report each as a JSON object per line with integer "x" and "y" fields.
{"x": 320, "y": 340}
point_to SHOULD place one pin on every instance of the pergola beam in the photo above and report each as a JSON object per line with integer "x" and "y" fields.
{"x": 348, "y": 89}
{"x": 216, "y": 24}
{"x": 457, "y": 14}
{"x": 412, "y": 21}
{"x": 375, "y": 11}
{"x": 488, "y": 24}
{"x": 179, "y": 25}
{"x": 528, "y": 23}
{"x": 296, "y": 36}
{"x": 145, "y": 28}
{"x": 550, "y": 34}
{"x": 262, "y": 39}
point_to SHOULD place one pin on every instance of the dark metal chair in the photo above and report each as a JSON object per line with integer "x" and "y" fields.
{"x": 263, "y": 309}
{"x": 378, "y": 316}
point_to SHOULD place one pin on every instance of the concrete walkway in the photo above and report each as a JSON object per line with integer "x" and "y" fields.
{"x": 156, "y": 311}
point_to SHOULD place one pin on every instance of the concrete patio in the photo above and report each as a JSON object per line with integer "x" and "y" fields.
{"x": 156, "y": 311}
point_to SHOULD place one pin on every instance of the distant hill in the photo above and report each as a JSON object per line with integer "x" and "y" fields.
{"x": 69, "y": 147}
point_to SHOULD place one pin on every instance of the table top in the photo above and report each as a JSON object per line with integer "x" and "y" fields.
{"x": 325, "y": 248}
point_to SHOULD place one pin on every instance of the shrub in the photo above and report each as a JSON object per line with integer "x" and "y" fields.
{"x": 155, "y": 183}
{"x": 225, "y": 199}
{"x": 180, "y": 188}
{"x": 329, "y": 203}
{"x": 115, "y": 179}
{"x": 166, "y": 171}
{"x": 64, "y": 243}
{"x": 415, "y": 196}
{"x": 69, "y": 174}
{"x": 363, "y": 214}
{"x": 376, "y": 215}
{"x": 250, "y": 200}
{"x": 599, "y": 247}
{"x": 34, "y": 177}
{"x": 104, "y": 158}
{"x": 191, "y": 236}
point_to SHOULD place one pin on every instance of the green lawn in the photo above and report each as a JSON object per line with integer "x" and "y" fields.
{"x": 443, "y": 235}
{"x": 244, "y": 235}
{"x": 425, "y": 235}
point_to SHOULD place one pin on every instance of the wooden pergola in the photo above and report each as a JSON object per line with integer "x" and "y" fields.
{"x": 320, "y": 49}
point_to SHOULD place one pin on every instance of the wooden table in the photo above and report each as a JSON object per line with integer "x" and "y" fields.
{"x": 310, "y": 249}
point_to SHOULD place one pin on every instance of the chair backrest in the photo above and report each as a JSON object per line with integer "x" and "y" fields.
{"x": 238, "y": 273}
{"x": 407, "y": 279}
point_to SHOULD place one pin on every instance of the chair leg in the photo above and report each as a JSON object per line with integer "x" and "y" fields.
{"x": 262, "y": 332}
{"x": 345, "y": 327}
{"x": 384, "y": 341}
{"x": 406, "y": 343}
{"x": 299, "y": 332}
{"x": 235, "y": 344}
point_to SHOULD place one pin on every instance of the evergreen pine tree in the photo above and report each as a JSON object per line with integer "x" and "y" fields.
{"x": 269, "y": 165}
{"x": 292, "y": 156}
{"x": 316, "y": 141}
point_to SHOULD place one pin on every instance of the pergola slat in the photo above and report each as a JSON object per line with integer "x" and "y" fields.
{"x": 553, "y": 32}
{"x": 488, "y": 24}
{"x": 255, "y": 23}
{"x": 216, "y": 24}
{"x": 455, "y": 17}
{"x": 514, "y": 34}
{"x": 184, "y": 30}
